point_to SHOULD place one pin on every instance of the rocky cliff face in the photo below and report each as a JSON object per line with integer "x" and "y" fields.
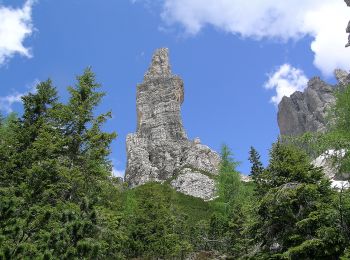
{"x": 160, "y": 150}
{"x": 348, "y": 27}
{"x": 306, "y": 111}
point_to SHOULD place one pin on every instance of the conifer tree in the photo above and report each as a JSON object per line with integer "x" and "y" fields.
{"x": 61, "y": 203}
{"x": 257, "y": 170}
{"x": 228, "y": 180}
{"x": 296, "y": 216}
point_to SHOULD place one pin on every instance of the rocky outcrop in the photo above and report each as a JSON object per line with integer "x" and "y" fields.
{"x": 305, "y": 112}
{"x": 343, "y": 77}
{"x": 160, "y": 150}
{"x": 194, "y": 183}
{"x": 348, "y": 27}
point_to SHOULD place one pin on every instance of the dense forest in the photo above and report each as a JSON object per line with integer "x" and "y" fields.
{"x": 59, "y": 199}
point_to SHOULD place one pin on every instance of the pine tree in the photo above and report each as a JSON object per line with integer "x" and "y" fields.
{"x": 296, "y": 216}
{"x": 257, "y": 170}
{"x": 22, "y": 175}
{"x": 63, "y": 196}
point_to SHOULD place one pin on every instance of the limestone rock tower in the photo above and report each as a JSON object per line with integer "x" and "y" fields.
{"x": 160, "y": 150}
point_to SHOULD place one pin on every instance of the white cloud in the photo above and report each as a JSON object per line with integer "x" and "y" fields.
{"x": 323, "y": 20}
{"x": 286, "y": 80}
{"x": 15, "y": 27}
{"x": 118, "y": 173}
{"x": 7, "y": 102}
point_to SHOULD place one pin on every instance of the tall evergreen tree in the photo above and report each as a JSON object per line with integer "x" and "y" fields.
{"x": 62, "y": 174}
{"x": 24, "y": 222}
{"x": 257, "y": 170}
{"x": 296, "y": 216}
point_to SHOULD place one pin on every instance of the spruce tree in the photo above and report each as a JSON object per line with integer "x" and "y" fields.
{"x": 59, "y": 197}
{"x": 257, "y": 170}
{"x": 296, "y": 216}
{"x": 23, "y": 173}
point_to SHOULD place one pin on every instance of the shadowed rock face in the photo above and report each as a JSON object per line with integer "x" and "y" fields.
{"x": 160, "y": 149}
{"x": 306, "y": 111}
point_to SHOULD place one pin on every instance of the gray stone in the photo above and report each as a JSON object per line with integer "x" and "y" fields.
{"x": 305, "y": 112}
{"x": 160, "y": 149}
{"x": 195, "y": 184}
{"x": 343, "y": 77}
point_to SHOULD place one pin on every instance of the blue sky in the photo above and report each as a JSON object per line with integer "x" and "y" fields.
{"x": 237, "y": 60}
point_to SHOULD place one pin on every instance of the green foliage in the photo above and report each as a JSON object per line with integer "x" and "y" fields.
{"x": 257, "y": 170}
{"x": 228, "y": 181}
{"x": 335, "y": 143}
{"x": 224, "y": 229}
{"x": 296, "y": 216}
{"x": 55, "y": 177}
{"x": 336, "y": 138}
{"x": 58, "y": 199}
{"x": 156, "y": 227}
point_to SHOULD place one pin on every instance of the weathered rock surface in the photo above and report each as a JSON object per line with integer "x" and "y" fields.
{"x": 343, "y": 78}
{"x": 160, "y": 149}
{"x": 348, "y": 27}
{"x": 194, "y": 183}
{"x": 305, "y": 112}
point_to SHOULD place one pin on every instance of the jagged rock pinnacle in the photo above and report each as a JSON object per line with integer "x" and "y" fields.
{"x": 160, "y": 150}
{"x": 160, "y": 66}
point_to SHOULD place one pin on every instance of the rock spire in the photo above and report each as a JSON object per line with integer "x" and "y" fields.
{"x": 160, "y": 150}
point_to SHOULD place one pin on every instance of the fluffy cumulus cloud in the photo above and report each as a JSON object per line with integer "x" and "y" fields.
{"x": 286, "y": 80}
{"x": 15, "y": 27}
{"x": 323, "y": 20}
